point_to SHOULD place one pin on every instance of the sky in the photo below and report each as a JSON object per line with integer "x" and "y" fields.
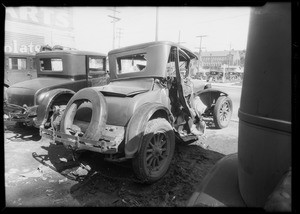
{"x": 223, "y": 27}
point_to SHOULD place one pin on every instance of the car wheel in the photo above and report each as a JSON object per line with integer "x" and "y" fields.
{"x": 99, "y": 113}
{"x": 156, "y": 152}
{"x": 222, "y": 112}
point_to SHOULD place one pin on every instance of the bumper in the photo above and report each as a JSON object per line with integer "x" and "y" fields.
{"x": 19, "y": 114}
{"x": 106, "y": 145}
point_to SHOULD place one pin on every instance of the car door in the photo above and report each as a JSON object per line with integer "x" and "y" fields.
{"x": 96, "y": 71}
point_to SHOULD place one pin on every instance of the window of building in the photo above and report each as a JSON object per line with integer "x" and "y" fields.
{"x": 132, "y": 63}
{"x": 15, "y": 63}
{"x": 51, "y": 64}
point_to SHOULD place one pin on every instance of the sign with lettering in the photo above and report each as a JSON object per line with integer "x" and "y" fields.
{"x": 55, "y": 17}
{"x": 22, "y": 43}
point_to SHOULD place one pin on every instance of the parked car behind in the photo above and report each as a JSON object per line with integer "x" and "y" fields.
{"x": 150, "y": 100}
{"x": 19, "y": 67}
{"x": 60, "y": 73}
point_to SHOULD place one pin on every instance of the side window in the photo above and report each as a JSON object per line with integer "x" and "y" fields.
{"x": 15, "y": 63}
{"x": 132, "y": 63}
{"x": 96, "y": 64}
{"x": 51, "y": 64}
{"x": 183, "y": 65}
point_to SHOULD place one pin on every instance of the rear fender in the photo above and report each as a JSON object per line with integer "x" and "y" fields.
{"x": 138, "y": 122}
{"x": 44, "y": 107}
{"x": 209, "y": 96}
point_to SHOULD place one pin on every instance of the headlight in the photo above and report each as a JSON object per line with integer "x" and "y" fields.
{"x": 40, "y": 97}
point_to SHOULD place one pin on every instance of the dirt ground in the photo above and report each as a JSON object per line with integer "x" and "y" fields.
{"x": 40, "y": 174}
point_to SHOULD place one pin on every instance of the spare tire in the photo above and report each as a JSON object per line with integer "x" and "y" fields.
{"x": 99, "y": 112}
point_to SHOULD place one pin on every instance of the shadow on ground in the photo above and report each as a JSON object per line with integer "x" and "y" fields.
{"x": 101, "y": 183}
{"x": 21, "y": 133}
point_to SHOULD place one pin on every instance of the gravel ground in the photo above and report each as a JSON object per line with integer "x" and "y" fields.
{"x": 39, "y": 174}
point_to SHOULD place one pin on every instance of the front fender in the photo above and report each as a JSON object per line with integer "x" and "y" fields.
{"x": 44, "y": 107}
{"x": 210, "y": 95}
{"x": 137, "y": 125}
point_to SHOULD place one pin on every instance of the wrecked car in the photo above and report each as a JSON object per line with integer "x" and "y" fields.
{"x": 60, "y": 73}
{"x": 149, "y": 101}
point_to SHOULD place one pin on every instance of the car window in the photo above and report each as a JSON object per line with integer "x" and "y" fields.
{"x": 15, "y": 63}
{"x": 96, "y": 64}
{"x": 131, "y": 63}
{"x": 51, "y": 64}
{"x": 171, "y": 64}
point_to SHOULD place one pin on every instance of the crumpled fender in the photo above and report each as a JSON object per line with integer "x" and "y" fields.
{"x": 44, "y": 107}
{"x": 137, "y": 125}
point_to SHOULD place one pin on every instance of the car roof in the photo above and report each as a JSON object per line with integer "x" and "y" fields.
{"x": 149, "y": 44}
{"x": 75, "y": 52}
{"x": 19, "y": 54}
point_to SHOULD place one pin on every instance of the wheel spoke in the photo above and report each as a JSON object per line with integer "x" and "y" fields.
{"x": 151, "y": 162}
{"x": 148, "y": 157}
{"x": 149, "y": 150}
{"x": 156, "y": 138}
{"x": 163, "y": 143}
{"x": 160, "y": 137}
{"x": 151, "y": 143}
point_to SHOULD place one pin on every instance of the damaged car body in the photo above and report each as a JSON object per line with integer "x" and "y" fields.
{"x": 149, "y": 101}
{"x": 60, "y": 73}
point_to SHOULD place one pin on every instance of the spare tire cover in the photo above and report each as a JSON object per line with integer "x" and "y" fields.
{"x": 99, "y": 112}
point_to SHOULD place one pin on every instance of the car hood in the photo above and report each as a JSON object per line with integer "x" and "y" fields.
{"x": 40, "y": 82}
{"x": 24, "y": 92}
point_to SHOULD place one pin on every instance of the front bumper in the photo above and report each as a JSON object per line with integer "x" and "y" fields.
{"x": 108, "y": 144}
{"x": 20, "y": 113}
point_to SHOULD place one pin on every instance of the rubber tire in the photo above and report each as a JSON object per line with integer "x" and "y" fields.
{"x": 216, "y": 116}
{"x": 99, "y": 112}
{"x": 138, "y": 164}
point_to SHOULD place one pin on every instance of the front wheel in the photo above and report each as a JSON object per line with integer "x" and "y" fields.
{"x": 222, "y": 112}
{"x": 156, "y": 152}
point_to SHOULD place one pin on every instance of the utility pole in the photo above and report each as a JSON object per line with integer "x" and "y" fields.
{"x": 229, "y": 59}
{"x": 179, "y": 38}
{"x": 119, "y": 35}
{"x": 115, "y": 19}
{"x": 201, "y": 36}
{"x": 156, "y": 25}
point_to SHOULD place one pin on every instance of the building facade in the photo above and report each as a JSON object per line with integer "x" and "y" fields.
{"x": 215, "y": 59}
{"x": 28, "y": 28}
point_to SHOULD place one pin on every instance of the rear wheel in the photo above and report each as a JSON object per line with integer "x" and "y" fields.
{"x": 222, "y": 112}
{"x": 156, "y": 152}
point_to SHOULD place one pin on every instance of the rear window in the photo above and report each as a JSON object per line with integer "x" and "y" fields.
{"x": 15, "y": 63}
{"x": 131, "y": 63}
{"x": 51, "y": 64}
